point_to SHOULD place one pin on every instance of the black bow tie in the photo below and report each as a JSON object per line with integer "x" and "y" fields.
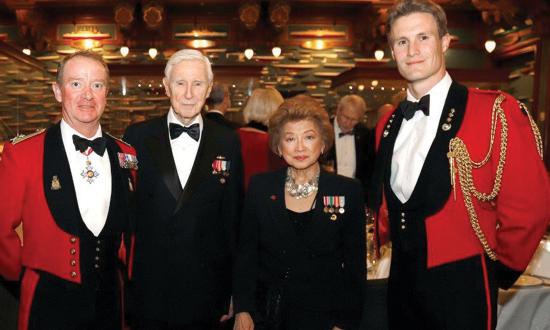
{"x": 345, "y": 133}
{"x": 409, "y": 108}
{"x": 193, "y": 131}
{"x": 98, "y": 144}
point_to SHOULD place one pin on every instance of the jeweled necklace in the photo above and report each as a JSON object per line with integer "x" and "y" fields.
{"x": 300, "y": 191}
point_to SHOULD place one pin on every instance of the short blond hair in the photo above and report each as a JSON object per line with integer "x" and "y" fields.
{"x": 298, "y": 108}
{"x": 261, "y": 104}
{"x": 83, "y": 53}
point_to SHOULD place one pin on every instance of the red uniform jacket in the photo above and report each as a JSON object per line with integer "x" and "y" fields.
{"x": 516, "y": 220}
{"x": 46, "y": 246}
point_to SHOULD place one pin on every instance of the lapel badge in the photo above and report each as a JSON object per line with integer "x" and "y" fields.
{"x": 333, "y": 217}
{"x": 55, "y": 183}
{"x": 447, "y": 125}
{"x": 273, "y": 197}
{"x": 222, "y": 180}
{"x": 127, "y": 161}
{"x": 220, "y": 166}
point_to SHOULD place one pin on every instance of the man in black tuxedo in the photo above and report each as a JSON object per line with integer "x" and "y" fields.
{"x": 189, "y": 195}
{"x": 353, "y": 151}
{"x": 218, "y": 102}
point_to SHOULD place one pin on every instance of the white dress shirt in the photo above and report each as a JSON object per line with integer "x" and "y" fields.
{"x": 184, "y": 148}
{"x": 345, "y": 152}
{"x": 93, "y": 198}
{"x": 414, "y": 140}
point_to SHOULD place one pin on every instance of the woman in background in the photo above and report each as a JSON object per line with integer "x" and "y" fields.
{"x": 301, "y": 258}
{"x": 257, "y": 157}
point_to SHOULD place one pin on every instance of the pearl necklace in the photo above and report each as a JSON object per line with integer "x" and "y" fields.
{"x": 300, "y": 191}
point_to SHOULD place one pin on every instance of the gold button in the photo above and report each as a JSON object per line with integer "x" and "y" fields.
{"x": 73, "y": 274}
{"x": 96, "y": 266}
{"x": 96, "y": 258}
{"x": 73, "y": 262}
{"x": 403, "y": 227}
{"x": 72, "y": 251}
{"x": 72, "y": 239}
{"x": 97, "y": 249}
{"x": 402, "y": 220}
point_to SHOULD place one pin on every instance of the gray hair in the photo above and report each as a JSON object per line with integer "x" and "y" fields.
{"x": 188, "y": 55}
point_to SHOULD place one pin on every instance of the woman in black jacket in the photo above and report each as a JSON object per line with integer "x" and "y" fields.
{"x": 301, "y": 257}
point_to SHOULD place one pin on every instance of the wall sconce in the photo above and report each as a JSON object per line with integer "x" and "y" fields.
{"x": 124, "y": 51}
{"x": 86, "y": 37}
{"x": 379, "y": 54}
{"x": 200, "y": 43}
{"x": 317, "y": 44}
{"x": 248, "y": 53}
{"x": 490, "y": 46}
{"x": 153, "y": 53}
{"x": 276, "y": 51}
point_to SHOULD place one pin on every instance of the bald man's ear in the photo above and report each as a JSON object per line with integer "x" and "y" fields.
{"x": 57, "y": 92}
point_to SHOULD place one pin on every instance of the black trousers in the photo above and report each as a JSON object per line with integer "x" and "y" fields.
{"x": 459, "y": 295}
{"x": 61, "y": 305}
{"x": 145, "y": 324}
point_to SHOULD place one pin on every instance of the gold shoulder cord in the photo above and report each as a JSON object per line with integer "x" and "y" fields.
{"x": 458, "y": 152}
{"x": 534, "y": 128}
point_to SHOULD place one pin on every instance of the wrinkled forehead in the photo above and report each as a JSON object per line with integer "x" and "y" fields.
{"x": 189, "y": 70}
{"x": 84, "y": 67}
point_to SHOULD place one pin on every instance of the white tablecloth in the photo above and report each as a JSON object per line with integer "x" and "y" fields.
{"x": 525, "y": 308}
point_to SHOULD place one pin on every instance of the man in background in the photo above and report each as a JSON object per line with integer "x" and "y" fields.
{"x": 353, "y": 151}
{"x": 218, "y": 102}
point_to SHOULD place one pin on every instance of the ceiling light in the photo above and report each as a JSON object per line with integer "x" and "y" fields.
{"x": 124, "y": 51}
{"x": 276, "y": 51}
{"x": 248, "y": 53}
{"x": 379, "y": 54}
{"x": 490, "y": 46}
{"x": 374, "y": 83}
{"x": 153, "y": 53}
{"x": 27, "y": 51}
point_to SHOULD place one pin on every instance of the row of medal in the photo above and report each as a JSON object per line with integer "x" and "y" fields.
{"x": 334, "y": 205}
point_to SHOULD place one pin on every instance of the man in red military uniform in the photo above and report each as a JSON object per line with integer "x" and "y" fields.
{"x": 70, "y": 189}
{"x": 459, "y": 185}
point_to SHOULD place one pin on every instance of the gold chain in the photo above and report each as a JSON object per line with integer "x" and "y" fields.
{"x": 458, "y": 152}
{"x": 535, "y": 129}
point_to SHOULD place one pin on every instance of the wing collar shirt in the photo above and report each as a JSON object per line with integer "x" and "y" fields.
{"x": 93, "y": 197}
{"x": 345, "y": 152}
{"x": 184, "y": 148}
{"x": 414, "y": 140}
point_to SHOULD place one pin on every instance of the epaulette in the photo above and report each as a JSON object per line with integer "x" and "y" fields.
{"x": 22, "y": 137}
{"x": 487, "y": 91}
{"x": 120, "y": 140}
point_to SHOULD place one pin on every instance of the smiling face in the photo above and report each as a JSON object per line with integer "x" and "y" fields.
{"x": 187, "y": 87}
{"x": 301, "y": 144}
{"x": 82, "y": 94}
{"x": 419, "y": 51}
